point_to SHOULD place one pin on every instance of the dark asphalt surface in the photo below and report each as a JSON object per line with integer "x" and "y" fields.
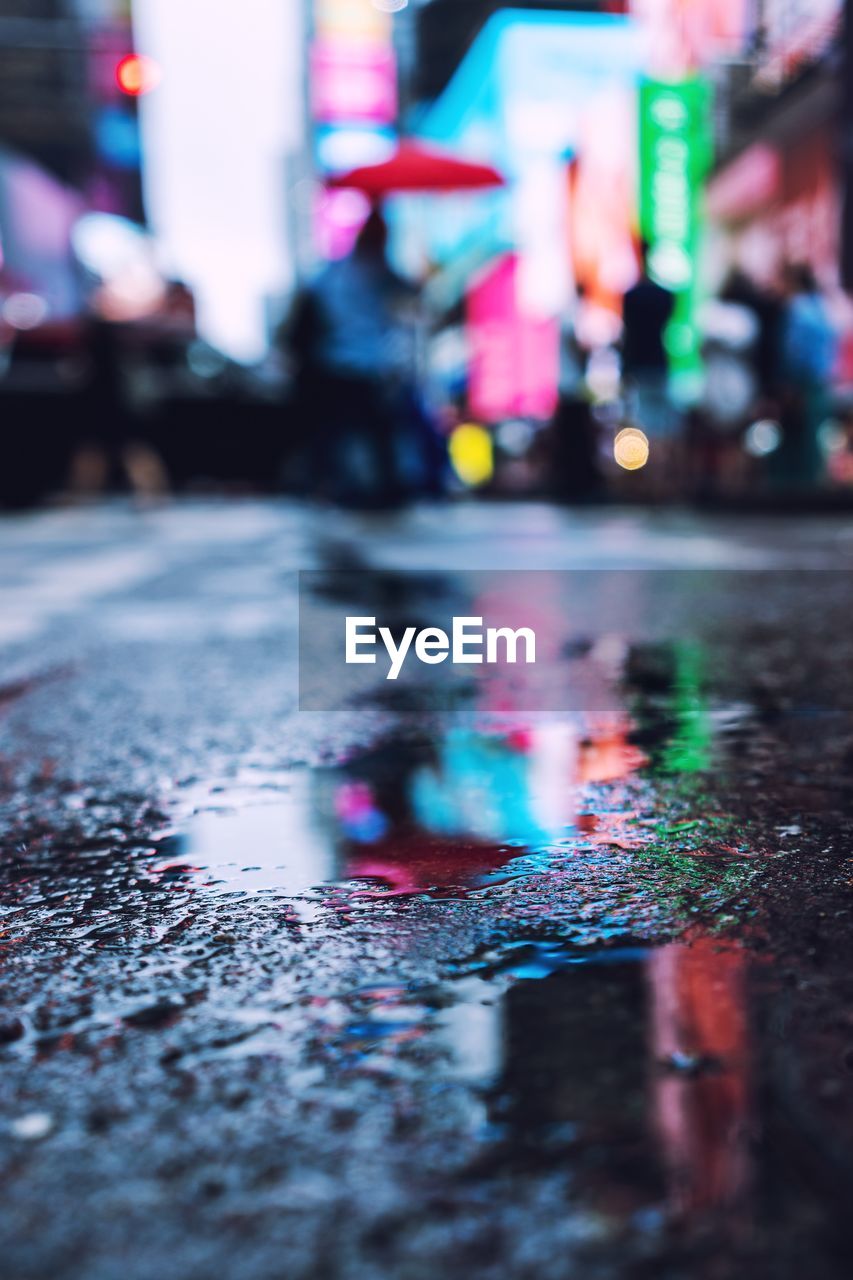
{"x": 386, "y": 993}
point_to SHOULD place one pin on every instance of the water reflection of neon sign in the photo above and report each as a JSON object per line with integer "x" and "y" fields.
{"x": 675, "y": 149}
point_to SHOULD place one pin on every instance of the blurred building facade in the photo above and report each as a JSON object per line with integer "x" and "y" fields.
{"x": 44, "y": 109}
{"x": 779, "y": 174}
{"x": 224, "y": 147}
{"x": 61, "y": 101}
{"x": 444, "y": 31}
{"x": 717, "y": 131}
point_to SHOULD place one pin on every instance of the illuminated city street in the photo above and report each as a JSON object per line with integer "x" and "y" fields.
{"x": 389, "y": 992}
{"x": 426, "y": 724}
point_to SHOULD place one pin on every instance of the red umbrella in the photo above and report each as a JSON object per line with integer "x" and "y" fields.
{"x": 414, "y": 167}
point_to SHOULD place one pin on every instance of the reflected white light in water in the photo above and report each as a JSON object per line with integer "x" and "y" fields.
{"x": 258, "y": 847}
{"x": 553, "y": 762}
{"x": 471, "y": 1030}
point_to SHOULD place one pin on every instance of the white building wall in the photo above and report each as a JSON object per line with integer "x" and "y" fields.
{"x": 216, "y": 137}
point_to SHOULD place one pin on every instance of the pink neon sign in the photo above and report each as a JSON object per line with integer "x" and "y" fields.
{"x": 353, "y": 81}
{"x": 514, "y": 357}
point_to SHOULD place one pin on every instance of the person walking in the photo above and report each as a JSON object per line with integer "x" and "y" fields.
{"x": 647, "y": 309}
{"x": 808, "y": 353}
{"x": 352, "y": 344}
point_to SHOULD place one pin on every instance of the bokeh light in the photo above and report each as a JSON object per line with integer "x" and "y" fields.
{"x": 831, "y": 436}
{"x": 631, "y": 449}
{"x": 137, "y": 75}
{"x": 515, "y": 436}
{"x": 762, "y": 438}
{"x": 25, "y": 310}
{"x": 472, "y": 454}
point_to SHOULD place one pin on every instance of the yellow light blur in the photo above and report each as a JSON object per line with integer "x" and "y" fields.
{"x": 631, "y": 449}
{"x": 352, "y": 19}
{"x": 472, "y": 454}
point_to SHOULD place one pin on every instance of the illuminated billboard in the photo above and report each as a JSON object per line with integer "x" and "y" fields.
{"x": 521, "y": 99}
{"x": 675, "y": 157}
{"x": 353, "y": 102}
{"x": 513, "y": 354}
{"x": 353, "y": 82}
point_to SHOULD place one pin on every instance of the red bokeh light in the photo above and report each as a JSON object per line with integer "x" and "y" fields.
{"x": 136, "y": 75}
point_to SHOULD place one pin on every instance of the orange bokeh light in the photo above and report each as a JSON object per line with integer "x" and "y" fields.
{"x": 136, "y": 75}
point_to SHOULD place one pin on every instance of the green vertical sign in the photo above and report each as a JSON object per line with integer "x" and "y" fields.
{"x": 675, "y": 156}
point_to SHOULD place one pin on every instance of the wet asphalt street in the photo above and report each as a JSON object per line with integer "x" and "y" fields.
{"x": 381, "y": 992}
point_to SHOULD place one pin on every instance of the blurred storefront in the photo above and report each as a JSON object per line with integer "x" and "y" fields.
{"x": 777, "y": 189}
{"x": 781, "y": 184}
{"x": 64, "y": 101}
{"x": 44, "y": 110}
{"x": 781, "y": 203}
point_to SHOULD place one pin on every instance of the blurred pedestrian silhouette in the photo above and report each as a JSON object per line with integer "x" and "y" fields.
{"x": 808, "y": 349}
{"x": 351, "y": 341}
{"x": 766, "y": 307}
{"x": 109, "y": 453}
{"x": 646, "y": 311}
{"x": 571, "y": 441}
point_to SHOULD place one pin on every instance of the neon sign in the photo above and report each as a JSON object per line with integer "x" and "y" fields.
{"x": 675, "y": 155}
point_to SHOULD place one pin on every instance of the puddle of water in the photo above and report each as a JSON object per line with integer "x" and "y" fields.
{"x": 461, "y": 810}
{"x": 633, "y": 1062}
{"x": 638, "y": 1057}
{"x": 245, "y": 841}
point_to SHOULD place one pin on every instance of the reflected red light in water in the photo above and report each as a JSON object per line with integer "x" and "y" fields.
{"x": 416, "y": 862}
{"x": 608, "y": 756}
{"x": 701, "y": 1044}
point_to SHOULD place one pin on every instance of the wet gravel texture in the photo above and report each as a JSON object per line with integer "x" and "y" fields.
{"x": 373, "y": 993}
